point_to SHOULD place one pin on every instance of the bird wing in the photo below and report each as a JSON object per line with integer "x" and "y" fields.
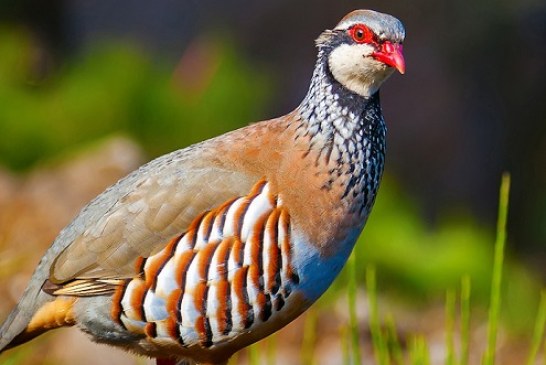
{"x": 141, "y": 213}
{"x": 226, "y": 275}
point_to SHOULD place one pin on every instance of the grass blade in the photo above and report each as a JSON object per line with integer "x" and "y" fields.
{"x": 344, "y": 334}
{"x": 419, "y": 354}
{"x": 309, "y": 337}
{"x": 465, "y": 319}
{"x": 272, "y": 349}
{"x": 379, "y": 345}
{"x": 538, "y": 333}
{"x": 253, "y": 356}
{"x": 494, "y": 306}
{"x": 450, "y": 327}
{"x": 393, "y": 343}
{"x": 353, "y": 320}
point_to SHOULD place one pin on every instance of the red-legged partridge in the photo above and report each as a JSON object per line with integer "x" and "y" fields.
{"x": 208, "y": 249}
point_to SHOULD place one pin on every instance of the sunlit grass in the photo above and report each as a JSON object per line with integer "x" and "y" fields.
{"x": 345, "y": 345}
{"x": 272, "y": 349}
{"x": 450, "y": 304}
{"x": 381, "y": 352}
{"x": 15, "y": 358}
{"x": 253, "y": 354}
{"x": 495, "y": 304}
{"x": 309, "y": 337}
{"x": 538, "y": 333}
{"x": 465, "y": 319}
{"x": 393, "y": 342}
{"x": 353, "y": 320}
{"x": 418, "y": 352}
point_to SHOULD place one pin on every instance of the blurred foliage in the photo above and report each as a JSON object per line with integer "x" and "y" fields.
{"x": 115, "y": 88}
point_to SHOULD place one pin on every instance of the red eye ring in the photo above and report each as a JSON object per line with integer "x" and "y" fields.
{"x": 361, "y": 34}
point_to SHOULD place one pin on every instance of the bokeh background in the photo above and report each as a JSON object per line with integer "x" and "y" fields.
{"x": 89, "y": 90}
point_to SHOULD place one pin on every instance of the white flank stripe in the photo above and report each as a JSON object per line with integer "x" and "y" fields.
{"x": 212, "y": 307}
{"x": 229, "y": 225}
{"x": 165, "y": 280}
{"x": 183, "y": 245}
{"x": 216, "y": 263}
{"x": 236, "y": 319}
{"x": 216, "y": 233}
{"x": 187, "y": 307}
{"x": 192, "y": 275}
{"x": 154, "y": 307}
{"x": 266, "y": 258}
{"x": 201, "y": 242}
{"x": 253, "y": 292}
{"x": 126, "y": 301}
{"x": 247, "y": 258}
{"x": 189, "y": 317}
{"x": 257, "y": 208}
{"x": 282, "y": 236}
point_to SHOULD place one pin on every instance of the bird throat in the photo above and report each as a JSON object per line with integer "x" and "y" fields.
{"x": 347, "y": 133}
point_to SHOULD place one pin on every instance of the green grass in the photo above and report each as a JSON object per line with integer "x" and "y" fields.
{"x": 419, "y": 353}
{"x": 15, "y": 358}
{"x": 538, "y": 333}
{"x": 381, "y": 352}
{"x": 393, "y": 342}
{"x": 272, "y": 349}
{"x": 253, "y": 354}
{"x": 353, "y": 320}
{"x": 345, "y": 346}
{"x": 309, "y": 337}
{"x": 450, "y": 327}
{"x": 385, "y": 343}
{"x": 465, "y": 319}
{"x": 495, "y": 304}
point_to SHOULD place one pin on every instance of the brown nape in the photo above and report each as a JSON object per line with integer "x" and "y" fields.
{"x": 55, "y": 314}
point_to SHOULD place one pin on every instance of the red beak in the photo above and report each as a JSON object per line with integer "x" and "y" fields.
{"x": 391, "y": 55}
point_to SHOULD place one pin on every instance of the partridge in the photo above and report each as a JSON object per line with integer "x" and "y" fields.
{"x": 210, "y": 248}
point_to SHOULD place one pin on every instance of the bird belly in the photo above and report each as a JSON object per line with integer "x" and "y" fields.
{"x": 316, "y": 270}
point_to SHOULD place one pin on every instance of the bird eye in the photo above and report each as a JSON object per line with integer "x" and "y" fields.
{"x": 361, "y": 34}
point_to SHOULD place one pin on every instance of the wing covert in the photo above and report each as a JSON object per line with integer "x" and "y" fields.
{"x": 139, "y": 214}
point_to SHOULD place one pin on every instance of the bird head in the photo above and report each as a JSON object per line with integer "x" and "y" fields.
{"x": 363, "y": 50}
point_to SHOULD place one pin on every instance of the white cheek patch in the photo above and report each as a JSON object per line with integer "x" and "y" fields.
{"x": 355, "y": 68}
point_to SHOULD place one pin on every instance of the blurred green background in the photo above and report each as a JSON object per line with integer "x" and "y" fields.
{"x": 169, "y": 74}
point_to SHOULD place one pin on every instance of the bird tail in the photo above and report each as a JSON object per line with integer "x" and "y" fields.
{"x": 15, "y": 329}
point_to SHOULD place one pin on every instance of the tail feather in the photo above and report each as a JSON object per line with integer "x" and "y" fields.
{"x": 54, "y": 314}
{"x": 33, "y": 299}
{"x": 18, "y": 320}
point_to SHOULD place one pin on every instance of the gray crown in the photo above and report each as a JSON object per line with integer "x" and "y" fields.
{"x": 385, "y": 26}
